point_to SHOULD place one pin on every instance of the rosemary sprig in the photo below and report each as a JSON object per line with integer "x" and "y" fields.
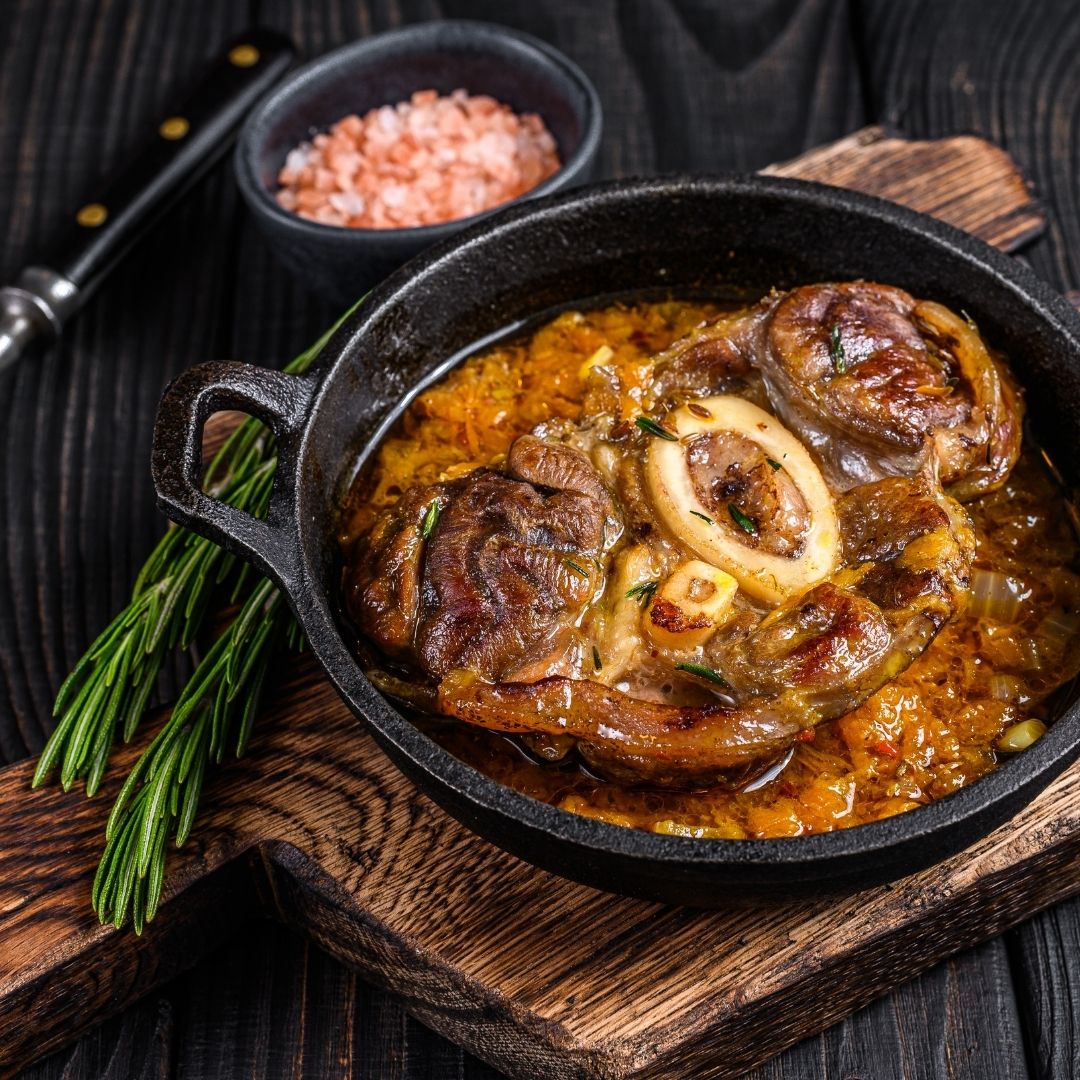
{"x": 643, "y": 592}
{"x": 159, "y": 799}
{"x": 109, "y": 688}
{"x": 747, "y": 524}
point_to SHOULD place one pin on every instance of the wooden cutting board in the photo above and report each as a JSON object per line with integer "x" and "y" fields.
{"x": 539, "y": 976}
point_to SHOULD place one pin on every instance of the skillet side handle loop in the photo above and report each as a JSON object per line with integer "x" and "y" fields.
{"x": 281, "y": 401}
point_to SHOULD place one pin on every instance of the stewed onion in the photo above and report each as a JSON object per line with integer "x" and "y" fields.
{"x": 996, "y": 596}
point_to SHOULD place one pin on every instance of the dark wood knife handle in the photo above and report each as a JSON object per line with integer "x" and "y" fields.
{"x": 185, "y": 142}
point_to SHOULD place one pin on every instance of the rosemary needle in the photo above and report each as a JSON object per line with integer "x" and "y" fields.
{"x": 703, "y": 671}
{"x": 836, "y": 350}
{"x": 643, "y": 592}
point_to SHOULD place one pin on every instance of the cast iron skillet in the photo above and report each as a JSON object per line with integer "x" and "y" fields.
{"x": 681, "y": 234}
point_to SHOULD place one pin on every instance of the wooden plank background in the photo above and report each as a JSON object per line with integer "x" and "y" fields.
{"x": 686, "y": 84}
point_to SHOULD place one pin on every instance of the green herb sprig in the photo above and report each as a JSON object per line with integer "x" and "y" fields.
{"x": 431, "y": 519}
{"x": 747, "y": 524}
{"x": 215, "y": 713}
{"x": 184, "y": 580}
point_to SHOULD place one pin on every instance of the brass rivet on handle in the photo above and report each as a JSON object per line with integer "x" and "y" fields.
{"x": 92, "y": 215}
{"x": 243, "y": 55}
{"x": 175, "y": 127}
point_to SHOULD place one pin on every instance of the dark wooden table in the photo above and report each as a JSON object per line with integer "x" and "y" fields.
{"x": 686, "y": 84}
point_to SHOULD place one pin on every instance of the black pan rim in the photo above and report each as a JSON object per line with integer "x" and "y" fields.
{"x": 1004, "y": 788}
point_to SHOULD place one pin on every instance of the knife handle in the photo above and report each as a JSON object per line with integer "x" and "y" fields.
{"x": 185, "y": 143}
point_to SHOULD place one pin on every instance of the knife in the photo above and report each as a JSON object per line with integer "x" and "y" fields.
{"x": 98, "y": 234}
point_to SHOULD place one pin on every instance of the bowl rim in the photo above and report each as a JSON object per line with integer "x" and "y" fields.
{"x": 297, "y": 81}
{"x": 1020, "y": 778}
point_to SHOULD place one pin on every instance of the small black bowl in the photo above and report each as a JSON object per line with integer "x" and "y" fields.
{"x": 519, "y": 70}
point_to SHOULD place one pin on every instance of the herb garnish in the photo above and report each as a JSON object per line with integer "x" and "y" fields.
{"x": 571, "y": 565}
{"x": 430, "y": 518}
{"x": 836, "y": 350}
{"x": 776, "y": 466}
{"x": 643, "y": 591}
{"x": 704, "y": 517}
{"x": 596, "y": 658}
{"x": 175, "y": 598}
{"x": 651, "y": 427}
{"x": 748, "y": 525}
{"x": 702, "y": 671}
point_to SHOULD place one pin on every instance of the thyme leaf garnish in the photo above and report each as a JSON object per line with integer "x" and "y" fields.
{"x": 836, "y": 350}
{"x": 776, "y": 466}
{"x": 597, "y": 664}
{"x": 704, "y": 517}
{"x": 651, "y": 427}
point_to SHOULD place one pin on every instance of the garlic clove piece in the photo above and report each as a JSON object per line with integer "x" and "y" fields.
{"x": 742, "y": 493}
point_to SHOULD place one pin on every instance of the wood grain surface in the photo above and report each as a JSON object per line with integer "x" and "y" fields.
{"x": 685, "y": 84}
{"x": 319, "y": 825}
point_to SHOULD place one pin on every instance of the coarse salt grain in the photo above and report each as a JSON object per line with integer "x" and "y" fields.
{"x": 423, "y": 161}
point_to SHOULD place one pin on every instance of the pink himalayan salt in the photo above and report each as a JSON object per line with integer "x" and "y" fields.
{"x": 420, "y": 162}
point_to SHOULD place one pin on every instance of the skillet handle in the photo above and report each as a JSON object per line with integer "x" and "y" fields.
{"x": 281, "y": 401}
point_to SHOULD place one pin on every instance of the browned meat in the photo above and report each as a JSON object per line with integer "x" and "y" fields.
{"x": 511, "y": 560}
{"x": 712, "y": 359}
{"x": 877, "y": 382}
{"x": 382, "y": 579}
{"x": 684, "y": 743}
{"x": 812, "y": 659}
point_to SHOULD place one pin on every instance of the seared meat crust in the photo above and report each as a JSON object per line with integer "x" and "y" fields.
{"x": 511, "y": 561}
{"x": 879, "y": 384}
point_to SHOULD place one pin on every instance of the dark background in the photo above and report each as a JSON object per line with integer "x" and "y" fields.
{"x": 686, "y": 84}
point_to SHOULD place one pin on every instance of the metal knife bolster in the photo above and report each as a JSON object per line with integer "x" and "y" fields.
{"x": 35, "y": 307}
